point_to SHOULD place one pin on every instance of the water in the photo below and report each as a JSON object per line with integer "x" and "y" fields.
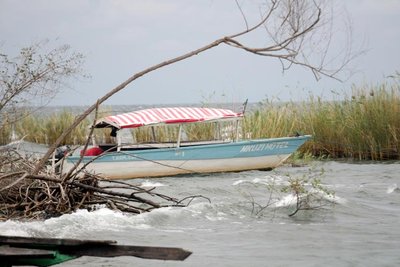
{"x": 356, "y": 227}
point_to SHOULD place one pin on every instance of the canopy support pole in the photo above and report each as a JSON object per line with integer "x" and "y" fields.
{"x": 178, "y": 144}
{"x": 217, "y": 134}
{"x": 237, "y": 131}
{"x": 119, "y": 141}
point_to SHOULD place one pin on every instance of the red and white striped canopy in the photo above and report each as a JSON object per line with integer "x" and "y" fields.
{"x": 166, "y": 116}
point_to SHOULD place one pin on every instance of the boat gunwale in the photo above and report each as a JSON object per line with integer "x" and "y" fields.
{"x": 204, "y": 145}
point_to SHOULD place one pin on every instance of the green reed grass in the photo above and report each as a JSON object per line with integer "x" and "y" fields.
{"x": 46, "y": 129}
{"x": 164, "y": 133}
{"x": 169, "y": 133}
{"x": 363, "y": 125}
{"x": 5, "y": 131}
{"x": 270, "y": 120}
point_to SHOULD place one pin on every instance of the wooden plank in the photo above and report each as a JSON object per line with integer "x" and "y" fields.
{"x": 15, "y": 240}
{"x": 97, "y": 248}
{"x": 12, "y": 252}
{"x": 145, "y": 252}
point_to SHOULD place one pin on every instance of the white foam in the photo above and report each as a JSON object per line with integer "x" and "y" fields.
{"x": 13, "y": 228}
{"x": 148, "y": 183}
{"x": 392, "y": 188}
{"x": 261, "y": 181}
{"x": 198, "y": 208}
{"x": 286, "y": 201}
{"x": 239, "y": 182}
{"x": 76, "y": 224}
{"x": 291, "y": 199}
{"x": 213, "y": 218}
{"x": 267, "y": 180}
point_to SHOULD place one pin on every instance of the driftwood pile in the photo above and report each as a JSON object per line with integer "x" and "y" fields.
{"x": 28, "y": 196}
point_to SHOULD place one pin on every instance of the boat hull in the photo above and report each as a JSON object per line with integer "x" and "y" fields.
{"x": 227, "y": 157}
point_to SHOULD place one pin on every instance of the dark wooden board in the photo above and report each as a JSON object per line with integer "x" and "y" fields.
{"x": 97, "y": 248}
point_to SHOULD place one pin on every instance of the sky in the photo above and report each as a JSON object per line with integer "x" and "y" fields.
{"x": 122, "y": 37}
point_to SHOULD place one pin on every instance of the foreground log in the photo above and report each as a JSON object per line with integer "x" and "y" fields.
{"x": 50, "y": 251}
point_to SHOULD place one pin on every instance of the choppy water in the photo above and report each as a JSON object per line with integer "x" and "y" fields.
{"x": 357, "y": 227}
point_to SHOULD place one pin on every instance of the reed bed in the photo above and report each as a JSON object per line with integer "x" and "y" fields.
{"x": 193, "y": 132}
{"x": 5, "y": 131}
{"x": 46, "y": 129}
{"x": 150, "y": 134}
{"x": 363, "y": 125}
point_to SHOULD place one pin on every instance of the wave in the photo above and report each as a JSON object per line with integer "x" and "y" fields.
{"x": 87, "y": 224}
{"x": 316, "y": 196}
{"x": 267, "y": 180}
{"x": 81, "y": 223}
{"x": 393, "y": 189}
{"x": 148, "y": 183}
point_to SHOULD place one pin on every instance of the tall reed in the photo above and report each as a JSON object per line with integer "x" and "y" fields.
{"x": 169, "y": 133}
{"x": 365, "y": 125}
{"x": 165, "y": 133}
{"x": 271, "y": 120}
{"x": 5, "y": 131}
{"x": 46, "y": 129}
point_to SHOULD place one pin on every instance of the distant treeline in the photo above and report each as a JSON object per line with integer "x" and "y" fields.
{"x": 364, "y": 125}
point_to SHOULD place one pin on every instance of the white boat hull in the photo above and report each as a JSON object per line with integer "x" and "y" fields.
{"x": 228, "y": 157}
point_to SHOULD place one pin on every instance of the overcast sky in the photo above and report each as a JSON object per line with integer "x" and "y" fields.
{"x": 122, "y": 37}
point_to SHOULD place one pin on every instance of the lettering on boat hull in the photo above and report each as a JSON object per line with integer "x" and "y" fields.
{"x": 263, "y": 147}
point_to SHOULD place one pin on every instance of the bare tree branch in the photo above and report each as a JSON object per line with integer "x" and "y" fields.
{"x": 35, "y": 75}
{"x": 289, "y": 23}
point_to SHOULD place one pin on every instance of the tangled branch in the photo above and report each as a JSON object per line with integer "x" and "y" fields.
{"x": 28, "y": 196}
